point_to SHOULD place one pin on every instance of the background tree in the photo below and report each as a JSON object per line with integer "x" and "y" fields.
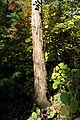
{"x": 40, "y": 83}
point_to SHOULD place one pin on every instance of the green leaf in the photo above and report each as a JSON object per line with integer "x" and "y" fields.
{"x": 27, "y": 40}
{"x": 31, "y": 118}
{"x": 65, "y": 111}
{"x": 39, "y": 118}
{"x": 57, "y": 97}
{"x": 46, "y": 26}
{"x": 53, "y": 76}
{"x": 77, "y": 23}
{"x": 74, "y": 105}
{"x": 52, "y": 113}
{"x": 65, "y": 98}
{"x": 57, "y": 68}
{"x": 15, "y": 74}
{"x": 61, "y": 65}
{"x": 38, "y": 111}
{"x": 55, "y": 85}
{"x": 34, "y": 115}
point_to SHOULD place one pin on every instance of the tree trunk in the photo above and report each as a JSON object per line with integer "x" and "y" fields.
{"x": 40, "y": 83}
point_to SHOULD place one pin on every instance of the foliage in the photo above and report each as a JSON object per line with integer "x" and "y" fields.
{"x": 63, "y": 81}
{"x": 16, "y": 70}
{"x": 60, "y": 75}
{"x": 35, "y": 115}
{"x": 61, "y": 40}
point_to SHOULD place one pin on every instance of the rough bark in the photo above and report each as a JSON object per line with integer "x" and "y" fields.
{"x": 38, "y": 56}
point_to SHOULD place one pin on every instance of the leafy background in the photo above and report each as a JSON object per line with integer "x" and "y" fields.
{"x": 61, "y": 28}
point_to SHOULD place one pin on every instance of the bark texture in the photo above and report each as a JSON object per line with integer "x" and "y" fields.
{"x": 40, "y": 83}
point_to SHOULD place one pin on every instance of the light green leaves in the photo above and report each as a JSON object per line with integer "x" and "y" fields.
{"x": 65, "y": 111}
{"x": 60, "y": 75}
{"x": 55, "y": 85}
{"x": 52, "y": 113}
{"x": 27, "y": 40}
{"x": 46, "y": 56}
{"x": 33, "y": 116}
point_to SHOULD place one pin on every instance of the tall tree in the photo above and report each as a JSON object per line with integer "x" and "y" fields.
{"x": 40, "y": 83}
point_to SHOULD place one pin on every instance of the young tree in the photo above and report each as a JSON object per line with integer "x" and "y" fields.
{"x": 40, "y": 83}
